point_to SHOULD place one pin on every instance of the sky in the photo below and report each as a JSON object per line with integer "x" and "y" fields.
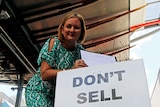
{"x": 146, "y": 49}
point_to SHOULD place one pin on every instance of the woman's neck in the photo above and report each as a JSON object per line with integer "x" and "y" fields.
{"x": 68, "y": 45}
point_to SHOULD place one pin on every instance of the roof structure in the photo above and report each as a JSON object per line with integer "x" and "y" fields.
{"x": 26, "y": 24}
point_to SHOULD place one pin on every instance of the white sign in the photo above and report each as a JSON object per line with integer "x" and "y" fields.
{"x": 120, "y": 84}
{"x": 92, "y": 59}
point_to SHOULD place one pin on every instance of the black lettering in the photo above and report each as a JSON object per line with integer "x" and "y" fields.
{"x": 119, "y": 74}
{"x": 82, "y": 98}
{"x": 101, "y": 77}
{"x": 102, "y": 96}
{"x": 77, "y": 81}
{"x": 114, "y": 97}
{"x": 89, "y": 80}
{"x": 93, "y": 95}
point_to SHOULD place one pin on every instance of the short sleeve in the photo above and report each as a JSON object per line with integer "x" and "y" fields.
{"x": 46, "y": 55}
{"x": 81, "y": 47}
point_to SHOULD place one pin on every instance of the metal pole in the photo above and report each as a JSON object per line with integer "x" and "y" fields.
{"x": 19, "y": 92}
{"x": 7, "y": 40}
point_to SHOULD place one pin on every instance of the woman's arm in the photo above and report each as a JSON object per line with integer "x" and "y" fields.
{"x": 48, "y": 73}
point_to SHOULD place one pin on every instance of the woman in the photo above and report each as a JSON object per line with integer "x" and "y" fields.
{"x": 57, "y": 54}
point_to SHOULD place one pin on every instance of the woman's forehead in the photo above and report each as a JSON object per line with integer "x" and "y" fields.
{"x": 73, "y": 20}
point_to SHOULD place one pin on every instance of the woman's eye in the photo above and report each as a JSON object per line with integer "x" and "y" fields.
{"x": 70, "y": 26}
{"x": 76, "y": 27}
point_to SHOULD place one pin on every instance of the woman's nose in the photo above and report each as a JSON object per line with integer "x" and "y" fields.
{"x": 72, "y": 29}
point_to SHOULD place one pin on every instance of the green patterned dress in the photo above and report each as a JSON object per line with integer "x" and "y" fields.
{"x": 39, "y": 93}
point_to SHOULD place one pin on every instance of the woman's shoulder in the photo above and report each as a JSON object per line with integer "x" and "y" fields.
{"x": 79, "y": 46}
{"x": 53, "y": 39}
{"x": 53, "y": 42}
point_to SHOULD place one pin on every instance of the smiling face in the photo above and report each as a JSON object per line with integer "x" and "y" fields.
{"x": 71, "y": 30}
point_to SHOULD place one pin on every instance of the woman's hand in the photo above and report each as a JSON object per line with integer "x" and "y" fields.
{"x": 79, "y": 64}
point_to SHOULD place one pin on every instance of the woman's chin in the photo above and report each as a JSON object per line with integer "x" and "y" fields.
{"x": 72, "y": 38}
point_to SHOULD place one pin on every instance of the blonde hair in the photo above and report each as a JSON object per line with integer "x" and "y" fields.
{"x": 83, "y": 27}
